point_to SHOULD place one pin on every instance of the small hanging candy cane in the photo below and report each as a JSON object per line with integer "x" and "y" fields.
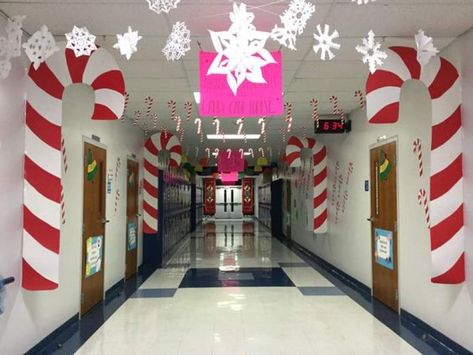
{"x": 417, "y": 149}
{"x": 178, "y": 123}
{"x": 262, "y": 122}
{"x": 250, "y": 150}
{"x": 196, "y": 152}
{"x": 172, "y": 106}
{"x": 422, "y": 199}
{"x": 125, "y": 106}
{"x": 117, "y": 167}
{"x": 336, "y": 110}
{"x": 304, "y": 132}
{"x": 63, "y": 207}
{"x": 165, "y": 131}
{"x": 201, "y": 137}
{"x": 261, "y": 150}
{"x": 64, "y": 155}
{"x": 229, "y": 153}
{"x": 117, "y": 198}
{"x": 288, "y": 107}
{"x": 188, "y": 106}
{"x": 283, "y": 133}
{"x": 149, "y": 105}
{"x": 361, "y": 99}
{"x": 198, "y": 122}
{"x": 315, "y": 111}
{"x": 244, "y": 137}
{"x": 242, "y": 152}
{"x": 155, "y": 120}
{"x": 216, "y": 123}
{"x": 181, "y": 135}
{"x": 208, "y": 152}
{"x": 239, "y": 122}
{"x": 145, "y": 128}
{"x": 216, "y": 152}
{"x": 136, "y": 117}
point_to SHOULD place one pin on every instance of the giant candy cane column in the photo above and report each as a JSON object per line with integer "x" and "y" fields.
{"x": 42, "y": 199}
{"x": 319, "y": 157}
{"x": 446, "y": 177}
{"x": 153, "y": 145}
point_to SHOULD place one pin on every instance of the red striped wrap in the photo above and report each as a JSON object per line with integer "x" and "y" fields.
{"x": 446, "y": 177}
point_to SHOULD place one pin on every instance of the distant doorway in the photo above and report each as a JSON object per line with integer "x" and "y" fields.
{"x": 384, "y": 240}
{"x": 131, "y": 219}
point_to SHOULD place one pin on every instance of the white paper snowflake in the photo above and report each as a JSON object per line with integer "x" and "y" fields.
{"x": 5, "y": 67}
{"x": 294, "y": 21}
{"x": 81, "y": 41}
{"x": 425, "y": 48}
{"x": 159, "y": 6}
{"x": 178, "y": 42}
{"x": 362, "y": 2}
{"x": 240, "y": 50}
{"x": 325, "y": 42}
{"x": 40, "y": 46}
{"x": 15, "y": 34}
{"x": 127, "y": 43}
{"x": 372, "y": 54}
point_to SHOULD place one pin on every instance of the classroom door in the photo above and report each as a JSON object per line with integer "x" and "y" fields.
{"x": 384, "y": 224}
{"x": 93, "y": 228}
{"x": 131, "y": 219}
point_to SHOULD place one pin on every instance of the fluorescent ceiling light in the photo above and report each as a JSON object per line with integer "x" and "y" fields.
{"x": 197, "y": 97}
{"x": 233, "y": 136}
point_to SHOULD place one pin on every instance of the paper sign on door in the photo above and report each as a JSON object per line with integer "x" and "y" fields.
{"x": 384, "y": 248}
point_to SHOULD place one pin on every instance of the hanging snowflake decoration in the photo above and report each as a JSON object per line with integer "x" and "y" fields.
{"x": 240, "y": 50}
{"x": 425, "y": 48}
{"x": 178, "y": 42}
{"x": 15, "y": 34}
{"x": 127, "y": 43}
{"x": 362, "y": 2}
{"x": 40, "y": 46}
{"x": 372, "y": 54}
{"x": 159, "y": 6}
{"x": 294, "y": 21}
{"x": 5, "y": 67}
{"x": 81, "y": 41}
{"x": 325, "y": 42}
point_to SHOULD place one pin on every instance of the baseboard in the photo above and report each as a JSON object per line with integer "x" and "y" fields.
{"x": 114, "y": 290}
{"x": 426, "y": 332}
{"x": 53, "y": 340}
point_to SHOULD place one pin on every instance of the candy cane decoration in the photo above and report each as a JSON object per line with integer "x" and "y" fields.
{"x": 198, "y": 122}
{"x": 208, "y": 152}
{"x": 153, "y": 146}
{"x": 45, "y": 87}
{"x": 155, "y": 120}
{"x": 117, "y": 199}
{"x": 422, "y": 198}
{"x": 216, "y": 123}
{"x": 63, "y": 207}
{"x": 244, "y": 137}
{"x": 304, "y": 132}
{"x": 417, "y": 149}
{"x": 262, "y": 122}
{"x": 251, "y": 152}
{"x": 178, "y": 123}
{"x": 283, "y": 134}
{"x": 149, "y": 105}
{"x": 288, "y": 107}
{"x": 446, "y": 176}
{"x": 315, "y": 111}
{"x": 136, "y": 117}
{"x": 239, "y": 122}
{"x": 181, "y": 135}
{"x": 64, "y": 155}
{"x": 336, "y": 109}
{"x": 261, "y": 150}
{"x": 216, "y": 152}
{"x": 361, "y": 98}
{"x": 242, "y": 152}
{"x": 127, "y": 98}
{"x": 319, "y": 159}
{"x": 229, "y": 153}
{"x": 188, "y": 107}
{"x": 172, "y": 107}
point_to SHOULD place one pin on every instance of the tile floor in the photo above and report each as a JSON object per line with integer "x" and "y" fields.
{"x": 233, "y": 289}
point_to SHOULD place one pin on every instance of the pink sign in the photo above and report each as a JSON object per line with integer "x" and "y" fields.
{"x": 229, "y": 177}
{"x": 251, "y": 100}
{"x": 233, "y": 163}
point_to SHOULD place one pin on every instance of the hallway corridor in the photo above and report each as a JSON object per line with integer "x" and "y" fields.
{"x": 232, "y": 288}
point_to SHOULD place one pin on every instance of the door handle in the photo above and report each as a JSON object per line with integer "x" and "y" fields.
{"x": 371, "y": 219}
{"x": 138, "y": 215}
{"x": 105, "y": 221}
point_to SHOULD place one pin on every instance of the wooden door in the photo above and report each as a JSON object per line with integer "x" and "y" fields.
{"x": 131, "y": 219}
{"x": 93, "y": 228}
{"x": 383, "y": 218}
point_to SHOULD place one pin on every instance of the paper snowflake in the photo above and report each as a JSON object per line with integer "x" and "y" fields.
{"x": 5, "y": 67}
{"x": 372, "y": 54}
{"x": 325, "y": 42}
{"x": 361, "y": 2}
{"x": 127, "y": 43}
{"x": 40, "y": 46}
{"x": 15, "y": 34}
{"x": 294, "y": 21}
{"x": 240, "y": 50}
{"x": 178, "y": 42}
{"x": 159, "y": 6}
{"x": 81, "y": 41}
{"x": 425, "y": 48}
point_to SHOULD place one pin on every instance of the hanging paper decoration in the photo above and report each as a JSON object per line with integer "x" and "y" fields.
{"x": 371, "y": 51}
{"x": 315, "y": 111}
{"x": 446, "y": 175}
{"x": 178, "y": 123}
{"x": 63, "y": 207}
{"x": 209, "y": 196}
{"x": 136, "y": 117}
{"x": 10, "y": 47}
{"x": 325, "y": 42}
{"x": 173, "y": 108}
{"x": 127, "y": 43}
{"x": 216, "y": 123}
{"x": 362, "y": 2}
{"x": 125, "y": 106}
{"x": 385, "y": 166}
{"x": 91, "y": 166}
{"x": 159, "y": 6}
{"x": 319, "y": 172}
{"x": 188, "y": 107}
{"x": 64, "y": 155}
{"x": 250, "y": 150}
{"x": 336, "y": 109}
{"x": 81, "y": 41}
{"x": 40, "y": 46}
{"x": 198, "y": 122}
{"x": 262, "y": 122}
{"x": 43, "y": 145}
{"x": 288, "y": 107}
{"x": 361, "y": 99}
{"x": 425, "y": 48}
{"x": 178, "y": 42}
{"x": 239, "y": 122}
{"x": 240, "y": 50}
{"x": 417, "y": 149}
{"x": 423, "y": 201}
{"x": 232, "y": 161}
{"x": 294, "y": 21}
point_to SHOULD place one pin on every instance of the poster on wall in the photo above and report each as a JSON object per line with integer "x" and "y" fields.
{"x": 93, "y": 261}
{"x": 384, "y": 251}
{"x": 131, "y": 236}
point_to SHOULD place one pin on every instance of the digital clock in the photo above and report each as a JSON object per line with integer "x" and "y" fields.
{"x": 332, "y": 126}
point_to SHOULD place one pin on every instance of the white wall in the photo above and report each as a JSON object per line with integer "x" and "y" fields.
{"x": 448, "y": 308}
{"x": 30, "y": 316}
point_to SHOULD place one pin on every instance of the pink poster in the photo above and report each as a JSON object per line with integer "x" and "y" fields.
{"x": 234, "y": 162}
{"x": 251, "y": 100}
